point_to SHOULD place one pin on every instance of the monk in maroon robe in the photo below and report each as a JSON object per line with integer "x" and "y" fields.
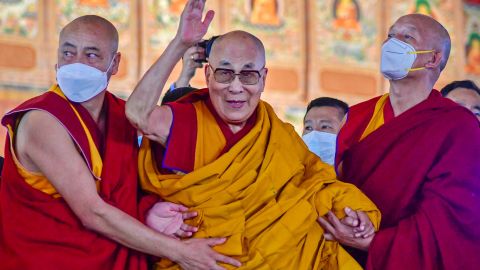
{"x": 416, "y": 156}
{"x": 68, "y": 192}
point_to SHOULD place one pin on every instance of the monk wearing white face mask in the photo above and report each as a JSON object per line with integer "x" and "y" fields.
{"x": 415, "y": 154}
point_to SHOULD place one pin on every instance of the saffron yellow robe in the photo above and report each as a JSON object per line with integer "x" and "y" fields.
{"x": 264, "y": 195}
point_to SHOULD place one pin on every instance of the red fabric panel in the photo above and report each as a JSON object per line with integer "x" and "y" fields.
{"x": 179, "y": 153}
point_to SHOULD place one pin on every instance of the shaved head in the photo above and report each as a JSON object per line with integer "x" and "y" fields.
{"x": 434, "y": 34}
{"x": 108, "y": 29}
{"x": 241, "y": 40}
{"x": 90, "y": 40}
{"x": 236, "y": 53}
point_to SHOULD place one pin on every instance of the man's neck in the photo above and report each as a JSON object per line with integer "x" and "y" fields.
{"x": 236, "y": 128}
{"x": 406, "y": 93}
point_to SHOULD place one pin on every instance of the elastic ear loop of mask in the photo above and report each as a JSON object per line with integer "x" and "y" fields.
{"x": 419, "y": 52}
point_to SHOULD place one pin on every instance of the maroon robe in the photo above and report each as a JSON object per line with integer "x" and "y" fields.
{"x": 422, "y": 170}
{"x": 38, "y": 231}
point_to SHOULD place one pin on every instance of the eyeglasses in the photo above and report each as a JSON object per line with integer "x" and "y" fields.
{"x": 225, "y": 75}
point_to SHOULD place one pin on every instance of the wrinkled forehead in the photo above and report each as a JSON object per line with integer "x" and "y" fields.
{"x": 407, "y": 23}
{"x": 87, "y": 35}
{"x": 324, "y": 113}
{"x": 238, "y": 55}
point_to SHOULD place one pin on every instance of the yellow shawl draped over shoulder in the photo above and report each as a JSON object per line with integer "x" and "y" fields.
{"x": 264, "y": 195}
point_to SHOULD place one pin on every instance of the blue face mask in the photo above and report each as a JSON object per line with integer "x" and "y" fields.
{"x": 80, "y": 82}
{"x": 323, "y": 144}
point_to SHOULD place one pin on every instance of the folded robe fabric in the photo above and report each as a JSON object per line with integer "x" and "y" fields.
{"x": 264, "y": 194}
{"x": 422, "y": 170}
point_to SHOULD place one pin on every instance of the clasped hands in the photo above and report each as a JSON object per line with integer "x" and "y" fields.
{"x": 354, "y": 230}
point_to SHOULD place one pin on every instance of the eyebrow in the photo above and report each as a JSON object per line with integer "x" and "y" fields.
{"x": 411, "y": 27}
{"x": 224, "y": 63}
{"x": 326, "y": 121}
{"x": 68, "y": 44}
{"x": 92, "y": 49}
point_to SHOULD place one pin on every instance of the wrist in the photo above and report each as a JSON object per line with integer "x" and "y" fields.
{"x": 179, "y": 44}
{"x": 174, "y": 252}
{"x": 182, "y": 82}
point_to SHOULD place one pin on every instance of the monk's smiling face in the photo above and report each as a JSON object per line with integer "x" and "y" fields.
{"x": 236, "y": 100}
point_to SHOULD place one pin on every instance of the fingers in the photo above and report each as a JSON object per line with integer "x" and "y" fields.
{"x": 364, "y": 220}
{"x": 326, "y": 225}
{"x": 333, "y": 219}
{"x": 350, "y": 221}
{"x": 351, "y": 218}
{"x": 182, "y": 234}
{"x": 178, "y": 207}
{"x": 198, "y": 56}
{"x": 328, "y": 237}
{"x": 188, "y": 215}
{"x": 208, "y": 18}
{"x": 188, "y": 228}
{"x": 185, "y": 231}
{"x": 222, "y": 258}
{"x": 369, "y": 233}
{"x": 215, "y": 241}
{"x": 366, "y": 228}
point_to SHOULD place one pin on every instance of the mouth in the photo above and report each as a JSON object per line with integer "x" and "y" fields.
{"x": 236, "y": 104}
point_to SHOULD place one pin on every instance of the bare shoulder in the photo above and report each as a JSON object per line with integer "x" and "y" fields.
{"x": 37, "y": 132}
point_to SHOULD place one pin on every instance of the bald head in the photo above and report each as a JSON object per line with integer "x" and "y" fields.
{"x": 235, "y": 98}
{"x": 238, "y": 41}
{"x": 83, "y": 23}
{"x": 434, "y": 35}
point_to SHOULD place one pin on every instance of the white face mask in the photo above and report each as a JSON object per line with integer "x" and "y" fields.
{"x": 397, "y": 59}
{"x": 80, "y": 82}
{"x": 323, "y": 144}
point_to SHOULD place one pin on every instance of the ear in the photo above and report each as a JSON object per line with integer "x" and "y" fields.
{"x": 435, "y": 61}
{"x": 207, "y": 72}
{"x": 116, "y": 63}
{"x": 264, "y": 77}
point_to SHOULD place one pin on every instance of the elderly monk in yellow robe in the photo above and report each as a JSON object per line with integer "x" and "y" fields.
{"x": 223, "y": 153}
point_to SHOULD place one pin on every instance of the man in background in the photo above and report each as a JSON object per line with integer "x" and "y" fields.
{"x": 322, "y": 122}
{"x": 465, "y": 93}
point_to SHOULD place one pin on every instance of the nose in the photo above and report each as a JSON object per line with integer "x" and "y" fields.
{"x": 236, "y": 86}
{"x": 82, "y": 59}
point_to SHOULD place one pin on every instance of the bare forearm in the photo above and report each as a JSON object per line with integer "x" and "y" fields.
{"x": 147, "y": 93}
{"x": 126, "y": 230}
{"x": 183, "y": 80}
